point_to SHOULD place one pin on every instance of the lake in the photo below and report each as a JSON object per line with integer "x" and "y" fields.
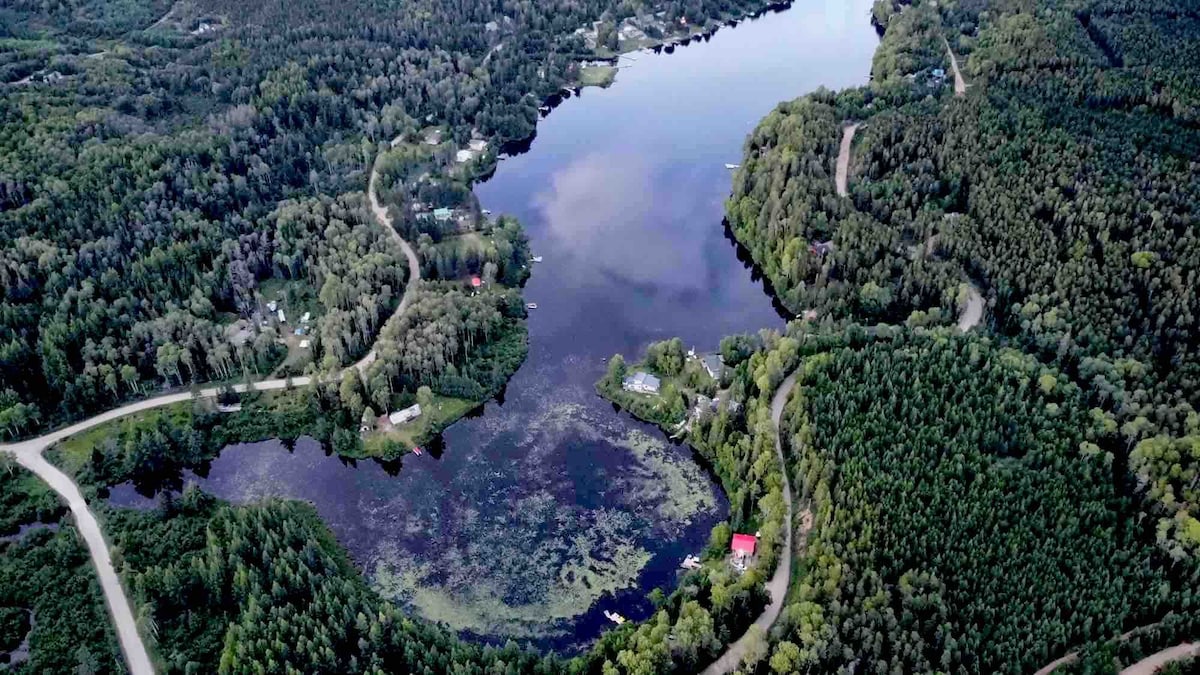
{"x": 547, "y": 507}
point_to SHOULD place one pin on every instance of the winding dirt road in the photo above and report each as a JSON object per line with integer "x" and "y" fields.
{"x": 29, "y": 455}
{"x": 970, "y": 317}
{"x": 778, "y": 585}
{"x": 414, "y": 264}
{"x": 842, "y": 177}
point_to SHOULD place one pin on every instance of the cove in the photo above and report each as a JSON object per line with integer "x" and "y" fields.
{"x": 547, "y": 508}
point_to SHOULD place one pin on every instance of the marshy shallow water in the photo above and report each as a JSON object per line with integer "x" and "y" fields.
{"x": 549, "y": 508}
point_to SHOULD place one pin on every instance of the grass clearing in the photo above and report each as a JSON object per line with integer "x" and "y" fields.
{"x": 446, "y": 410}
{"x": 597, "y": 76}
{"x": 22, "y": 45}
{"x": 73, "y": 452}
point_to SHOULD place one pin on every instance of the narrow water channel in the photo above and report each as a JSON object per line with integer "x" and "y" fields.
{"x": 548, "y": 508}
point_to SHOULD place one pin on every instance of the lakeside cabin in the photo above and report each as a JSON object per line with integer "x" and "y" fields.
{"x": 743, "y": 546}
{"x": 641, "y": 383}
{"x": 714, "y": 365}
{"x": 407, "y": 415}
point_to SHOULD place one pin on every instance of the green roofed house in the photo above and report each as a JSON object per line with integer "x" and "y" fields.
{"x": 442, "y": 215}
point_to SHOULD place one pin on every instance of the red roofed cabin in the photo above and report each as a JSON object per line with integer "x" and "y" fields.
{"x": 743, "y": 545}
{"x": 476, "y": 282}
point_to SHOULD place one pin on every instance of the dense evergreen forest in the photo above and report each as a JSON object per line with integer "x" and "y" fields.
{"x": 991, "y": 504}
{"x": 967, "y": 517}
{"x": 146, "y": 145}
{"x": 267, "y": 589}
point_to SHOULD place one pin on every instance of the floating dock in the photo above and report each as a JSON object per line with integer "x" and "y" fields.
{"x": 614, "y": 617}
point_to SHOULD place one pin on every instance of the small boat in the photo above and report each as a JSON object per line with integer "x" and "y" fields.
{"x": 486, "y": 212}
{"x": 537, "y": 258}
{"x": 417, "y": 450}
{"x": 732, "y": 166}
{"x": 532, "y": 305}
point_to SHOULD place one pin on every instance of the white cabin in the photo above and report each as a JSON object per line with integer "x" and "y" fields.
{"x": 407, "y": 415}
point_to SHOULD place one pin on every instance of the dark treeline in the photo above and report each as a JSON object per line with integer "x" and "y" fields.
{"x": 267, "y": 589}
{"x": 966, "y": 516}
{"x": 1063, "y": 183}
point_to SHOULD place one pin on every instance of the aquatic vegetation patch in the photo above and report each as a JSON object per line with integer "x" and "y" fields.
{"x": 527, "y": 547}
{"x": 510, "y": 581}
{"x": 675, "y": 485}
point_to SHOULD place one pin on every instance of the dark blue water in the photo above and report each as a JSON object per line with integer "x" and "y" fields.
{"x": 550, "y": 508}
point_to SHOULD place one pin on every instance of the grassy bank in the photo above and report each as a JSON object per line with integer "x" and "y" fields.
{"x": 597, "y": 76}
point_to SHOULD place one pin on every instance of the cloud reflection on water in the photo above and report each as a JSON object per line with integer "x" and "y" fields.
{"x": 612, "y": 214}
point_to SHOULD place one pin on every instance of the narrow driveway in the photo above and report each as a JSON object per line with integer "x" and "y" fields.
{"x": 414, "y": 264}
{"x": 778, "y": 585}
{"x": 29, "y": 454}
{"x": 960, "y": 85}
{"x": 842, "y": 177}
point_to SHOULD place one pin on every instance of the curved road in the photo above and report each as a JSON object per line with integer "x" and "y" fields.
{"x": 29, "y": 455}
{"x": 1147, "y": 666}
{"x": 778, "y": 585}
{"x": 970, "y": 317}
{"x": 1151, "y": 664}
{"x": 414, "y": 265}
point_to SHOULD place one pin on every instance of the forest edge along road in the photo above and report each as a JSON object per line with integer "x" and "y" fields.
{"x": 136, "y": 656}
{"x": 778, "y": 585}
{"x": 780, "y": 581}
{"x": 414, "y": 265}
{"x": 29, "y": 455}
{"x": 1151, "y": 664}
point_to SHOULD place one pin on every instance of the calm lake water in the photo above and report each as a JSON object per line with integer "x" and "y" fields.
{"x": 549, "y": 508}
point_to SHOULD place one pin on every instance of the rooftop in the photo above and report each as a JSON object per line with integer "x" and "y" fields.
{"x": 643, "y": 379}
{"x": 744, "y": 543}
